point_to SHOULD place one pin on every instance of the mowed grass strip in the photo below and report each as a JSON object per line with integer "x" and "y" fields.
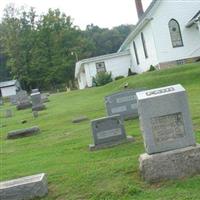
{"x": 61, "y": 149}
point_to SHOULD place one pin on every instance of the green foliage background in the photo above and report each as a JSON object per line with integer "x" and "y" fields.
{"x": 41, "y": 50}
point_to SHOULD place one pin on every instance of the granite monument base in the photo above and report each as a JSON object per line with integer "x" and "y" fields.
{"x": 38, "y": 107}
{"x": 24, "y": 188}
{"x": 93, "y": 147}
{"x": 173, "y": 164}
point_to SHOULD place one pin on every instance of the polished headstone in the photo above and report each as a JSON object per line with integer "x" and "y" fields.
{"x": 108, "y": 131}
{"x": 165, "y": 119}
{"x": 123, "y": 103}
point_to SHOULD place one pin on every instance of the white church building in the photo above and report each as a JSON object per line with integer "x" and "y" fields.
{"x": 167, "y": 34}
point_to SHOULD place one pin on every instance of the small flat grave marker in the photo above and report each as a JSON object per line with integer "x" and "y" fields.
{"x": 108, "y": 131}
{"x": 123, "y": 103}
{"x": 80, "y": 119}
{"x": 24, "y": 188}
{"x": 23, "y": 132}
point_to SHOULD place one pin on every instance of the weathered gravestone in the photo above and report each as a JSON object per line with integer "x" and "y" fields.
{"x": 25, "y": 188}
{"x": 44, "y": 98}
{"x": 8, "y": 113}
{"x": 13, "y": 99}
{"x": 23, "y": 100}
{"x": 37, "y": 103}
{"x": 123, "y": 103}
{"x": 171, "y": 151}
{"x": 23, "y": 132}
{"x": 107, "y": 132}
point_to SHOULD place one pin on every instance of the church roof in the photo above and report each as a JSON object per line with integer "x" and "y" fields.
{"x": 146, "y": 17}
{"x": 194, "y": 19}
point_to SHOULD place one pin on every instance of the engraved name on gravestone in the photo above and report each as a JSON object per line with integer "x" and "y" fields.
{"x": 123, "y": 103}
{"x": 165, "y": 119}
{"x": 108, "y": 131}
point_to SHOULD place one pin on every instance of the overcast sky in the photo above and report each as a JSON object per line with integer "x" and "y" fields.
{"x": 104, "y": 13}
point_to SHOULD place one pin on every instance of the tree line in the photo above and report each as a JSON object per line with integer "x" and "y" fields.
{"x": 41, "y": 50}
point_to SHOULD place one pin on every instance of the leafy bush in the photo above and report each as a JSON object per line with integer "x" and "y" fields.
{"x": 152, "y": 68}
{"x": 119, "y": 77}
{"x": 102, "y": 78}
{"x": 130, "y": 73}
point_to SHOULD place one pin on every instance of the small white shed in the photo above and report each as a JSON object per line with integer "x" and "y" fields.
{"x": 9, "y": 88}
{"x": 117, "y": 63}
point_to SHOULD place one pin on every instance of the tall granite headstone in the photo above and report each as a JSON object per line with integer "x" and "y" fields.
{"x": 23, "y": 100}
{"x": 123, "y": 103}
{"x": 108, "y": 131}
{"x": 37, "y": 103}
{"x": 168, "y": 135}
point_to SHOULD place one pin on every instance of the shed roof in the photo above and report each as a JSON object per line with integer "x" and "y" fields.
{"x": 8, "y": 83}
{"x": 98, "y": 59}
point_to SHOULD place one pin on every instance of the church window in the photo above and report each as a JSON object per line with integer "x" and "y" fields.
{"x": 144, "y": 45}
{"x": 100, "y": 67}
{"x": 136, "y": 54}
{"x": 175, "y": 33}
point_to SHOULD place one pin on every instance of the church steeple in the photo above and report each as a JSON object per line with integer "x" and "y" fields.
{"x": 139, "y": 7}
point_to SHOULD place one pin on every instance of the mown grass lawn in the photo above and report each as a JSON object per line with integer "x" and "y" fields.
{"x": 61, "y": 150}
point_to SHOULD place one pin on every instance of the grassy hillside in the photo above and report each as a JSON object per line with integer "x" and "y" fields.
{"x": 61, "y": 150}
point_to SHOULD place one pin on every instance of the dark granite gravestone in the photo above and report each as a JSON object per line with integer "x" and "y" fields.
{"x": 123, "y": 103}
{"x": 168, "y": 134}
{"x": 23, "y": 132}
{"x": 108, "y": 131}
{"x": 37, "y": 103}
{"x": 26, "y": 188}
{"x": 23, "y": 100}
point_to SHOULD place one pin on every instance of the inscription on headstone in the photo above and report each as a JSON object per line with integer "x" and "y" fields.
{"x": 123, "y": 103}
{"x": 165, "y": 119}
{"x": 108, "y": 131}
{"x": 168, "y": 128}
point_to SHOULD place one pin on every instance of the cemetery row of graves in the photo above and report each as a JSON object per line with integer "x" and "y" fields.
{"x": 162, "y": 121}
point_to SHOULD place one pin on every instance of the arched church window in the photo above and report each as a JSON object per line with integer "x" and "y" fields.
{"x": 175, "y": 33}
